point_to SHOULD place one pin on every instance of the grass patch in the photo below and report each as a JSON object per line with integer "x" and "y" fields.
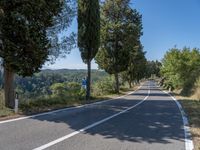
{"x": 53, "y": 103}
{"x": 47, "y": 104}
{"x": 192, "y": 108}
{"x": 4, "y": 112}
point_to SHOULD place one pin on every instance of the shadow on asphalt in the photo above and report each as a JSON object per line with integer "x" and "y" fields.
{"x": 154, "y": 89}
{"x": 154, "y": 121}
{"x": 151, "y": 94}
{"x": 151, "y": 127}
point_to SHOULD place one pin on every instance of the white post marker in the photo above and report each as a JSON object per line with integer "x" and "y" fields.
{"x": 170, "y": 89}
{"x": 16, "y": 103}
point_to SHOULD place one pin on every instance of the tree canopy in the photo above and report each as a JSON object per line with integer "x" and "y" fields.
{"x": 137, "y": 66}
{"x": 24, "y": 27}
{"x": 120, "y": 29}
{"x": 153, "y": 68}
{"x": 180, "y": 67}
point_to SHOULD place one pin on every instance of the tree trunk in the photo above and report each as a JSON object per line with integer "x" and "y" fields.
{"x": 9, "y": 88}
{"x": 117, "y": 83}
{"x": 88, "y": 80}
{"x": 138, "y": 81}
{"x": 130, "y": 84}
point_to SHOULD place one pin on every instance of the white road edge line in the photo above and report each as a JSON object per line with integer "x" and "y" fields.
{"x": 188, "y": 138}
{"x": 66, "y": 109}
{"x": 90, "y": 126}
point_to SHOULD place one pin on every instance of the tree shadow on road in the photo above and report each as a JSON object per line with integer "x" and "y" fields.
{"x": 151, "y": 94}
{"x": 154, "y": 121}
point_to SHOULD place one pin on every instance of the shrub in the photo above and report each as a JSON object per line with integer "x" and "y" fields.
{"x": 58, "y": 89}
{"x": 73, "y": 89}
{"x": 104, "y": 86}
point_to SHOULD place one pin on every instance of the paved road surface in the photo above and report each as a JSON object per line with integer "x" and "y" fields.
{"x": 145, "y": 120}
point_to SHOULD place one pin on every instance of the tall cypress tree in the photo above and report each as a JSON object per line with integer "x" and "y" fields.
{"x": 25, "y": 43}
{"x": 88, "y": 33}
{"x": 119, "y": 32}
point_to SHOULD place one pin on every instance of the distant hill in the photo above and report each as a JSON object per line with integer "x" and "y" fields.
{"x": 68, "y": 70}
{"x": 73, "y": 75}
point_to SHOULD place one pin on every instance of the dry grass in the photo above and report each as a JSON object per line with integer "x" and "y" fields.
{"x": 192, "y": 108}
{"x": 4, "y": 111}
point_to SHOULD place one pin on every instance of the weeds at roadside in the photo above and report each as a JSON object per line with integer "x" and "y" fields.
{"x": 3, "y": 110}
{"x": 192, "y": 108}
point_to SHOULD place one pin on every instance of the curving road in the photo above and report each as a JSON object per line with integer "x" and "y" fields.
{"x": 147, "y": 119}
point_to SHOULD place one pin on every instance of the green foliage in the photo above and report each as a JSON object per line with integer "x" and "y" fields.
{"x": 88, "y": 28}
{"x": 120, "y": 32}
{"x": 181, "y": 68}
{"x": 153, "y": 68}
{"x": 28, "y": 32}
{"x": 62, "y": 45}
{"x": 88, "y": 34}
{"x": 74, "y": 90}
{"x": 42, "y": 104}
{"x": 58, "y": 89}
{"x": 39, "y": 84}
{"x": 82, "y": 93}
{"x": 2, "y": 99}
{"x": 70, "y": 90}
{"x": 3, "y": 110}
{"x": 137, "y": 66}
{"x": 63, "y": 94}
{"x": 24, "y": 27}
{"x": 104, "y": 86}
{"x": 197, "y": 83}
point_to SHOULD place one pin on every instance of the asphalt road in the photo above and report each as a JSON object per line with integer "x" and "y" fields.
{"x": 145, "y": 120}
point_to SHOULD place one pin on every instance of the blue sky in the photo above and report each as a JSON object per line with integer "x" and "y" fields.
{"x": 166, "y": 23}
